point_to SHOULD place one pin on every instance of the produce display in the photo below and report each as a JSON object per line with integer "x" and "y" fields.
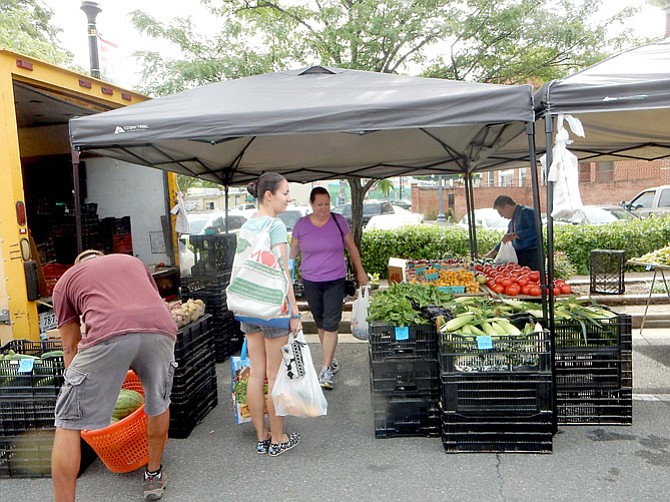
{"x": 401, "y": 303}
{"x": 511, "y": 279}
{"x": 187, "y": 312}
{"x": 658, "y": 257}
{"x": 447, "y": 273}
{"x": 128, "y": 402}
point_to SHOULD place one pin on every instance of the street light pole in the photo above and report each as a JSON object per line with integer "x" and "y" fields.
{"x": 440, "y": 201}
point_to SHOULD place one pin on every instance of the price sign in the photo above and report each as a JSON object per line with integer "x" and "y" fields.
{"x": 402, "y": 333}
{"x": 484, "y": 342}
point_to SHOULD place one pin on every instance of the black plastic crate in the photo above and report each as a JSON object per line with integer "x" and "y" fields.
{"x": 20, "y": 415}
{"x": 405, "y": 376}
{"x": 594, "y": 406}
{"x": 191, "y": 370}
{"x": 501, "y": 434}
{"x": 607, "y": 271}
{"x": 514, "y": 394}
{"x": 412, "y": 342}
{"x": 609, "y": 334}
{"x": 398, "y": 415}
{"x": 508, "y": 353}
{"x": 185, "y": 416}
{"x": 192, "y": 337}
{"x": 28, "y": 454}
{"x": 594, "y": 370}
{"x": 36, "y": 378}
{"x": 226, "y": 347}
{"x": 213, "y": 253}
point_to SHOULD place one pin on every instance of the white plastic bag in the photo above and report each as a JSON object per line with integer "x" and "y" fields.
{"x": 564, "y": 171}
{"x": 295, "y": 395}
{"x": 359, "y": 314}
{"x": 506, "y": 254}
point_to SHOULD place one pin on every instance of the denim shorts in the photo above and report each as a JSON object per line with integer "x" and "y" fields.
{"x": 268, "y": 331}
{"x": 95, "y": 376}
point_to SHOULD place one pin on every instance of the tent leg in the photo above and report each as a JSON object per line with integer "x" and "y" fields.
{"x": 77, "y": 200}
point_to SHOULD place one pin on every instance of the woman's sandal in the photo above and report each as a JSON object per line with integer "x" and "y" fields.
{"x": 277, "y": 449}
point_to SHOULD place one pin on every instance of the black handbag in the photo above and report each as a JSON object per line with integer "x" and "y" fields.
{"x": 349, "y": 283}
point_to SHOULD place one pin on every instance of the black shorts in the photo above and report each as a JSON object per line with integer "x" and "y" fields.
{"x": 325, "y": 301}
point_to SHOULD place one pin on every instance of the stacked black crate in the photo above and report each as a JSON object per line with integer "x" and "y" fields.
{"x": 194, "y": 390}
{"x": 28, "y": 391}
{"x": 496, "y": 393}
{"x": 210, "y": 275}
{"x": 594, "y": 371}
{"x": 404, "y": 377}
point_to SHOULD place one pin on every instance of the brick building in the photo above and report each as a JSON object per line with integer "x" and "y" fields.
{"x": 600, "y": 183}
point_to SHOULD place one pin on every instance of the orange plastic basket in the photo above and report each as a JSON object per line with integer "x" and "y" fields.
{"x": 123, "y": 446}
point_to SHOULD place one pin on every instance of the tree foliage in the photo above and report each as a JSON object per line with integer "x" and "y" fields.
{"x": 495, "y": 41}
{"x": 25, "y": 27}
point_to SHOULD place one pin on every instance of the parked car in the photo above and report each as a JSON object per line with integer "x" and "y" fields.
{"x": 370, "y": 209}
{"x": 486, "y": 218}
{"x": 405, "y": 204}
{"x": 398, "y": 219}
{"x": 650, "y": 202}
{"x": 292, "y": 215}
{"x": 199, "y": 223}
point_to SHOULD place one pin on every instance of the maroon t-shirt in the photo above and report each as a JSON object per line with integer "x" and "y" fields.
{"x": 115, "y": 295}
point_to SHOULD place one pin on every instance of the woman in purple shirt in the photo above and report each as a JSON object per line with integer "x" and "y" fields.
{"x": 321, "y": 238}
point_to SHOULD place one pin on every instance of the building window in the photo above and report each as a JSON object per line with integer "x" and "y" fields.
{"x": 209, "y": 206}
{"x": 585, "y": 172}
{"x": 506, "y": 178}
{"x": 605, "y": 171}
{"x": 491, "y": 179}
{"x": 523, "y": 176}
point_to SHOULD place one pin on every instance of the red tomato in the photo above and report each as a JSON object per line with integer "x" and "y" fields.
{"x": 523, "y": 281}
{"x": 526, "y": 269}
{"x": 490, "y": 283}
{"x": 499, "y": 288}
{"x": 534, "y": 275}
{"x": 535, "y": 291}
{"x": 559, "y": 282}
{"x": 525, "y": 290}
{"x": 512, "y": 290}
{"x": 506, "y": 282}
{"x": 566, "y": 289}
{"x": 557, "y": 291}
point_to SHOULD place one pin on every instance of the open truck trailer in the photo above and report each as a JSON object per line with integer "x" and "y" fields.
{"x": 122, "y": 207}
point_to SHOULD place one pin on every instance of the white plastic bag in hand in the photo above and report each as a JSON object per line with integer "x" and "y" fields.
{"x": 299, "y": 396}
{"x": 359, "y": 314}
{"x": 506, "y": 254}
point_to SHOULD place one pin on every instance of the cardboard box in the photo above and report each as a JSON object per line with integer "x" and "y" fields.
{"x": 396, "y": 270}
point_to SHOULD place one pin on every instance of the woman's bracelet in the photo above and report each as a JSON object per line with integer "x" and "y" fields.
{"x": 297, "y": 316}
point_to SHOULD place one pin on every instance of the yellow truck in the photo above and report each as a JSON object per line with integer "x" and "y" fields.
{"x": 122, "y": 207}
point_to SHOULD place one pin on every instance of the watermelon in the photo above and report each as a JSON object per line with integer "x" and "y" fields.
{"x": 127, "y": 402}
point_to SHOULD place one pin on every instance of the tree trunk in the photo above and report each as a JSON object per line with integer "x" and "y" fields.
{"x": 358, "y": 191}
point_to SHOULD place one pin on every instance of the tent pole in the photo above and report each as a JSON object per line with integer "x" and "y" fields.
{"x": 77, "y": 200}
{"x": 225, "y": 206}
{"x": 535, "y": 184}
{"x": 472, "y": 233}
{"x": 548, "y": 284}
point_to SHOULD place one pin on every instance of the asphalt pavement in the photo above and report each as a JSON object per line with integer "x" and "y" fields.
{"x": 340, "y": 459}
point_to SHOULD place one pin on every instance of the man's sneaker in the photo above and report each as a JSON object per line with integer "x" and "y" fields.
{"x": 334, "y": 366}
{"x": 326, "y": 378}
{"x": 153, "y": 486}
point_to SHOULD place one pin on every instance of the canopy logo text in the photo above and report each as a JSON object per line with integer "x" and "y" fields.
{"x": 130, "y": 128}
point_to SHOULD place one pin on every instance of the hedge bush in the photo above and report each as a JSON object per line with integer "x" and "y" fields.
{"x": 575, "y": 242}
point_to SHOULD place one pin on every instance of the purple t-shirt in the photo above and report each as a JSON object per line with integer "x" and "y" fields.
{"x": 115, "y": 295}
{"x": 321, "y": 249}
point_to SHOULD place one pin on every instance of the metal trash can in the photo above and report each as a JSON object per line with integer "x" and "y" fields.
{"x": 607, "y": 271}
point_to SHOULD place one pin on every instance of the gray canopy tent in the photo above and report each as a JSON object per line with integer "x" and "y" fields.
{"x": 314, "y": 124}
